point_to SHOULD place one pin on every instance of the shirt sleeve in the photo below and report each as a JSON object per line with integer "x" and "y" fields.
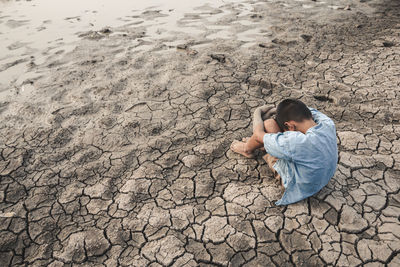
{"x": 278, "y": 145}
{"x": 319, "y": 117}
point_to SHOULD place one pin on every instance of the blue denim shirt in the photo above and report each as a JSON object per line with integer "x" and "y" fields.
{"x": 306, "y": 162}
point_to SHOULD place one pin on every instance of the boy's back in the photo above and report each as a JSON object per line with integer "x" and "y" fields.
{"x": 306, "y": 162}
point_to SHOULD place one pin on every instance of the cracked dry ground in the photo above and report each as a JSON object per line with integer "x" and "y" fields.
{"x": 126, "y": 161}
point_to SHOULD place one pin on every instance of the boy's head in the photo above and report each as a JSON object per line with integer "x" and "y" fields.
{"x": 290, "y": 112}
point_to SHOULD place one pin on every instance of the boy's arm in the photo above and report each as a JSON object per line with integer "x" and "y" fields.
{"x": 320, "y": 117}
{"x": 276, "y": 144}
{"x": 258, "y": 123}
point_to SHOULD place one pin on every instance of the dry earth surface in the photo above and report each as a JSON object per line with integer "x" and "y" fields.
{"x": 118, "y": 157}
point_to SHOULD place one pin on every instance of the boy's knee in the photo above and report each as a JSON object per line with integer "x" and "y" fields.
{"x": 271, "y": 126}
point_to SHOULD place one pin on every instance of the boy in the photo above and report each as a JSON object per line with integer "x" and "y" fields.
{"x": 301, "y": 146}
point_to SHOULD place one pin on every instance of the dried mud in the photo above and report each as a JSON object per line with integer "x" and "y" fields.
{"x": 118, "y": 157}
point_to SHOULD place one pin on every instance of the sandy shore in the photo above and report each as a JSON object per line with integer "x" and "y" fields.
{"x": 116, "y": 153}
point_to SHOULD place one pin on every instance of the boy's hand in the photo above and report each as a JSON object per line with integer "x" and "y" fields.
{"x": 265, "y": 108}
{"x": 266, "y": 111}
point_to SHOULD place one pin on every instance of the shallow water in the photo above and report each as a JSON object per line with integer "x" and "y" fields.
{"x": 35, "y": 30}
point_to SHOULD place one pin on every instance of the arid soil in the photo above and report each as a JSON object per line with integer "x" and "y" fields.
{"x": 114, "y": 156}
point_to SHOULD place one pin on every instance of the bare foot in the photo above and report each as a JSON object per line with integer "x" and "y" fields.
{"x": 239, "y": 147}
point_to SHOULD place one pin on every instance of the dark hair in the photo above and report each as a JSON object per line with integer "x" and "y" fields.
{"x": 291, "y": 110}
